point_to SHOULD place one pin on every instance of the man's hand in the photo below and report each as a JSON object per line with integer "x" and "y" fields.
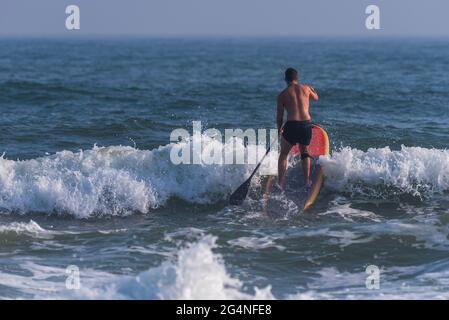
{"x": 313, "y": 94}
{"x": 280, "y": 130}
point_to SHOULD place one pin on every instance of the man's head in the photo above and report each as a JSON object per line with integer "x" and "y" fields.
{"x": 291, "y": 75}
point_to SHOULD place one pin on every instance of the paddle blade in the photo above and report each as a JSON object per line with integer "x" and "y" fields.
{"x": 239, "y": 195}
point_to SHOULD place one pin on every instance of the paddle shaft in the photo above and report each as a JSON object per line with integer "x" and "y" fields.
{"x": 241, "y": 192}
{"x": 260, "y": 163}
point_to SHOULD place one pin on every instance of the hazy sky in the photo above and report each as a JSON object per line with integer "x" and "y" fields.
{"x": 225, "y": 17}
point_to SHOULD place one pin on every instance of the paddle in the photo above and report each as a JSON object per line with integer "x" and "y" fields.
{"x": 240, "y": 194}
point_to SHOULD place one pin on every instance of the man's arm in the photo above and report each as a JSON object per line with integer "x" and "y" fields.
{"x": 313, "y": 94}
{"x": 279, "y": 113}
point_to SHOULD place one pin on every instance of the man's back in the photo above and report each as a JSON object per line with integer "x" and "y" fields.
{"x": 295, "y": 99}
{"x": 298, "y": 128}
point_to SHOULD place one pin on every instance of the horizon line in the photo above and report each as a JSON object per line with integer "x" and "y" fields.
{"x": 368, "y": 36}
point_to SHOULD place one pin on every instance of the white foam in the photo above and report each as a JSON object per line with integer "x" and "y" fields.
{"x": 348, "y": 213}
{"x": 342, "y": 238}
{"x": 112, "y": 231}
{"x": 115, "y": 180}
{"x": 412, "y": 170}
{"x": 427, "y": 234}
{"x": 196, "y": 273}
{"x": 27, "y": 228}
{"x": 430, "y": 281}
{"x": 256, "y": 243}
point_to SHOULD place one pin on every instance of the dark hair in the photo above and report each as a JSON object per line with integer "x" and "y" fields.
{"x": 291, "y": 75}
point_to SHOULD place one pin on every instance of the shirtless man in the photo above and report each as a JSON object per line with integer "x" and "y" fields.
{"x": 298, "y": 128}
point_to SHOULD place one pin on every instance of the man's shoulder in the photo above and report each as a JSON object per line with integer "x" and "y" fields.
{"x": 304, "y": 89}
{"x": 282, "y": 94}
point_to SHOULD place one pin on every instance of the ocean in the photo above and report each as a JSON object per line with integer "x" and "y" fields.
{"x": 91, "y": 207}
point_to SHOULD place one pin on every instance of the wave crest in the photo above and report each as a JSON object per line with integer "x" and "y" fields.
{"x": 113, "y": 180}
{"x": 412, "y": 170}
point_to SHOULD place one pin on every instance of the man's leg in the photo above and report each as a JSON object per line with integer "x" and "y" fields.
{"x": 305, "y": 161}
{"x": 282, "y": 163}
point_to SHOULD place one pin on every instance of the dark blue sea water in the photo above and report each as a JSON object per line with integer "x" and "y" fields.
{"x": 86, "y": 178}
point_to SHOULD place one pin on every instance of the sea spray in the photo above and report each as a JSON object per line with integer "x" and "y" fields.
{"x": 120, "y": 180}
{"x": 196, "y": 272}
{"x": 413, "y": 170}
{"x": 115, "y": 180}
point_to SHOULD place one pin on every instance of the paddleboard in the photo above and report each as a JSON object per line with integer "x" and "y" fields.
{"x": 294, "y": 178}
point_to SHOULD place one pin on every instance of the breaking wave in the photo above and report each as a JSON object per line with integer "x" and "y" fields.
{"x": 413, "y": 170}
{"x": 119, "y": 180}
{"x": 197, "y": 273}
{"x": 116, "y": 180}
